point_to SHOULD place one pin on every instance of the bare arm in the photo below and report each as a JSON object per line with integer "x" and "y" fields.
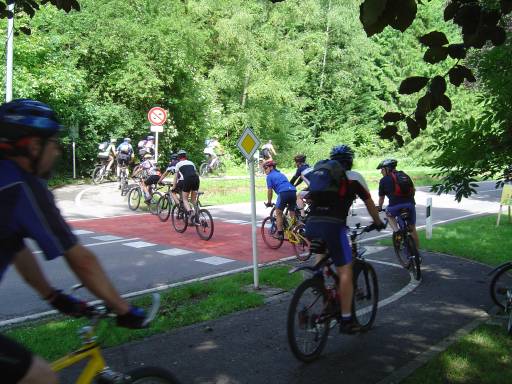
{"x": 87, "y": 268}
{"x": 372, "y": 210}
{"x": 269, "y": 195}
{"x": 381, "y": 201}
{"x": 27, "y": 266}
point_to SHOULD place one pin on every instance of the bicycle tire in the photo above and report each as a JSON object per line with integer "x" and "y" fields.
{"x": 301, "y": 248}
{"x": 400, "y": 249}
{"x": 163, "y": 208}
{"x": 134, "y": 198}
{"x": 179, "y": 219}
{"x": 153, "y": 203}
{"x": 204, "y": 226}
{"x": 98, "y": 174}
{"x": 203, "y": 169}
{"x": 366, "y": 295}
{"x": 153, "y": 375}
{"x": 268, "y": 231}
{"x": 500, "y": 284}
{"x": 509, "y": 311}
{"x": 414, "y": 258}
{"x": 221, "y": 169}
{"x": 307, "y": 320}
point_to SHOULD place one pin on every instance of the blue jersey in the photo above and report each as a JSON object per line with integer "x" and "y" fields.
{"x": 278, "y": 182}
{"x": 27, "y": 210}
{"x": 387, "y": 187}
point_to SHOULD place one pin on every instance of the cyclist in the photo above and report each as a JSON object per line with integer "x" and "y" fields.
{"x": 327, "y": 221}
{"x": 148, "y": 169}
{"x": 268, "y": 150}
{"x": 28, "y": 150}
{"x": 186, "y": 182}
{"x": 111, "y": 153}
{"x": 211, "y": 146}
{"x": 301, "y": 175}
{"x": 149, "y": 145}
{"x": 396, "y": 200}
{"x": 286, "y": 194}
{"x": 171, "y": 170}
{"x": 125, "y": 156}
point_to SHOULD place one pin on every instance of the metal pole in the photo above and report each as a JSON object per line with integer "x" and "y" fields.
{"x": 254, "y": 227}
{"x": 9, "y": 59}
{"x": 156, "y": 146}
{"x": 428, "y": 221}
{"x": 74, "y": 161}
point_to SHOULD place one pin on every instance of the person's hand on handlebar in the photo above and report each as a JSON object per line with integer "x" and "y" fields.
{"x": 68, "y": 304}
{"x": 133, "y": 319}
{"x": 381, "y": 225}
{"x": 268, "y": 204}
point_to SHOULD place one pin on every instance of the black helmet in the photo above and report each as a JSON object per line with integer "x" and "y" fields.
{"x": 174, "y": 156}
{"x": 343, "y": 154}
{"x": 181, "y": 153}
{"x": 150, "y": 137}
{"x": 25, "y": 117}
{"x": 300, "y": 158}
{"x": 388, "y": 163}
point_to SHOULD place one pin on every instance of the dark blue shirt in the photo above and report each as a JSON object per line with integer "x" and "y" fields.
{"x": 387, "y": 187}
{"x": 278, "y": 182}
{"x": 27, "y": 210}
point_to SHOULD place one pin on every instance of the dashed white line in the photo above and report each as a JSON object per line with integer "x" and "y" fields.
{"x": 139, "y": 244}
{"x": 175, "y": 252}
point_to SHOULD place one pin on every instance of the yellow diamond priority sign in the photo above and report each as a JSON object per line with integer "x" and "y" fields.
{"x": 248, "y": 143}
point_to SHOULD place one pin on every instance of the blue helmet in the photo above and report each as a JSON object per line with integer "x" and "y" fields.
{"x": 388, "y": 163}
{"x": 344, "y": 154}
{"x": 24, "y": 118}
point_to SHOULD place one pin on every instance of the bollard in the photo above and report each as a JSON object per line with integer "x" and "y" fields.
{"x": 428, "y": 221}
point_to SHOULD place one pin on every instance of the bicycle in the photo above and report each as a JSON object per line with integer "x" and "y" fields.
{"x": 315, "y": 307}
{"x": 123, "y": 179}
{"x": 135, "y": 194}
{"x": 218, "y": 167}
{"x": 293, "y": 231}
{"x": 405, "y": 246}
{"x": 501, "y": 290}
{"x": 203, "y": 220}
{"x": 165, "y": 203}
{"x": 100, "y": 171}
{"x": 96, "y": 369}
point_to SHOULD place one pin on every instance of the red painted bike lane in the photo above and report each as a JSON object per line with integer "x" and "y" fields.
{"x": 229, "y": 240}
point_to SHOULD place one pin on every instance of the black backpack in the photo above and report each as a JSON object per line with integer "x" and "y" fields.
{"x": 402, "y": 184}
{"x": 326, "y": 182}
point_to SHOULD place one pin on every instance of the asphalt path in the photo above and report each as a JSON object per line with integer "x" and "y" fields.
{"x": 140, "y": 253}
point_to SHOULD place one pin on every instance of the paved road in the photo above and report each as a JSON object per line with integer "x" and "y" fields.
{"x": 139, "y": 252}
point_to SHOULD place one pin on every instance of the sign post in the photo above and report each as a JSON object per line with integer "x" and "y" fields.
{"x": 73, "y": 133}
{"x": 506, "y": 199}
{"x": 248, "y": 143}
{"x": 157, "y": 117}
{"x": 428, "y": 221}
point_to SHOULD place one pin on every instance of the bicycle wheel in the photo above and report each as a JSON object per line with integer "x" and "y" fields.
{"x": 163, "y": 208}
{"x": 203, "y": 169}
{"x": 146, "y": 375}
{"x": 414, "y": 257}
{"x": 153, "y": 203}
{"x": 509, "y": 311}
{"x": 221, "y": 169}
{"x": 299, "y": 243}
{"x": 400, "y": 249}
{"x": 179, "y": 219}
{"x": 204, "y": 224}
{"x": 501, "y": 284}
{"x": 134, "y": 198}
{"x": 269, "y": 233}
{"x": 307, "y": 326}
{"x": 366, "y": 295}
{"x": 98, "y": 174}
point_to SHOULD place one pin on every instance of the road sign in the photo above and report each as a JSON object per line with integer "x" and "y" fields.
{"x": 506, "y": 200}
{"x": 157, "y": 116}
{"x": 156, "y": 128}
{"x": 248, "y": 143}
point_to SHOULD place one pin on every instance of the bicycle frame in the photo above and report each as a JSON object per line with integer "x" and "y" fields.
{"x": 95, "y": 365}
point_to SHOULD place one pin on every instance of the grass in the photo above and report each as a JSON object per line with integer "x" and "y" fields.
{"x": 185, "y": 305}
{"x": 482, "y": 357}
{"x": 477, "y": 239}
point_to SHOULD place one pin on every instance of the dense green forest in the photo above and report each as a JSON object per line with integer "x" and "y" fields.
{"x": 302, "y": 73}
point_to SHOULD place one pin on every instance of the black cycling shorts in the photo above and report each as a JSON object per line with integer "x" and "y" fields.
{"x": 190, "y": 183}
{"x": 153, "y": 179}
{"x": 15, "y": 360}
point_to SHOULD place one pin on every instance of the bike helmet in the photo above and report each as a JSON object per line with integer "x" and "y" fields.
{"x": 112, "y": 140}
{"x": 150, "y": 137}
{"x": 25, "y": 118}
{"x": 269, "y": 163}
{"x": 127, "y": 139}
{"x": 148, "y": 155}
{"x": 343, "y": 154}
{"x": 300, "y": 158}
{"x": 174, "y": 156}
{"x": 181, "y": 153}
{"x": 388, "y": 163}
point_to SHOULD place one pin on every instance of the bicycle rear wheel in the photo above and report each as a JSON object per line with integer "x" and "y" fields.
{"x": 300, "y": 244}
{"x": 204, "y": 224}
{"x": 366, "y": 295}
{"x": 269, "y": 233}
{"x": 203, "y": 169}
{"x": 147, "y": 375}
{"x": 163, "y": 208}
{"x": 98, "y": 174}
{"x": 414, "y": 257}
{"x": 134, "y": 198}
{"x": 501, "y": 284}
{"x": 400, "y": 249}
{"x": 307, "y": 324}
{"x": 179, "y": 219}
{"x": 221, "y": 169}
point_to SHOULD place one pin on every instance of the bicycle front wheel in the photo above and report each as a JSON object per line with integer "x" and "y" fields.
{"x": 269, "y": 233}
{"x": 366, "y": 295}
{"x": 204, "y": 224}
{"x": 221, "y": 169}
{"x": 501, "y": 286}
{"x": 153, "y": 203}
{"x": 163, "y": 208}
{"x": 151, "y": 375}
{"x": 300, "y": 243}
{"x": 414, "y": 257}
{"x": 400, "y": 249}
{"x": 179, "y": 219}
{"x": 203, "y": 169}
{"x": 134, "y": 198}
{"x": 307, "y": 324}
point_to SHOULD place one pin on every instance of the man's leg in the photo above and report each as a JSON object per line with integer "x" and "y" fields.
{"x": 110, "y": 162}
{"x": 345, "y": 289}
{"x": 414, "y": 235}
{"x": 39, "y": 373}
{"x": 279, "y": 220}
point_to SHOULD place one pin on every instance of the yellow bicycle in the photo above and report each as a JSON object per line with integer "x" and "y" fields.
{"x": 96, "y": 369}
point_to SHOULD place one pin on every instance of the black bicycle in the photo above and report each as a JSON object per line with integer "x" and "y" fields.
{"x": 315, "y": 307}
{"x": 123, "y": 180}
{"x": 165, "y": 203}
{"x": 202, "y": 219}
{"x": 135, "y": 194}
{"x": 501, "y": 290}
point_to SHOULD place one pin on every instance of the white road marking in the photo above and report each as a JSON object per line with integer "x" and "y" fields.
{"x": 236, "y": 221}
{"x": 215, "y": 260}
{"x": 139, "y": 244}
{"x": 81, "y": 232}
{"x": 101, "y": 243}
{"x": 106, "y": 237}
{"x": 175, "y": 252}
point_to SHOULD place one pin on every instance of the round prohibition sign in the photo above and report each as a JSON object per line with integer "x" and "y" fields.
{"x": 157, "y": 116}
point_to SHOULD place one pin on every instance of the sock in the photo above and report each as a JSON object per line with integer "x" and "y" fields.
{"x": 345, "y": 318}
